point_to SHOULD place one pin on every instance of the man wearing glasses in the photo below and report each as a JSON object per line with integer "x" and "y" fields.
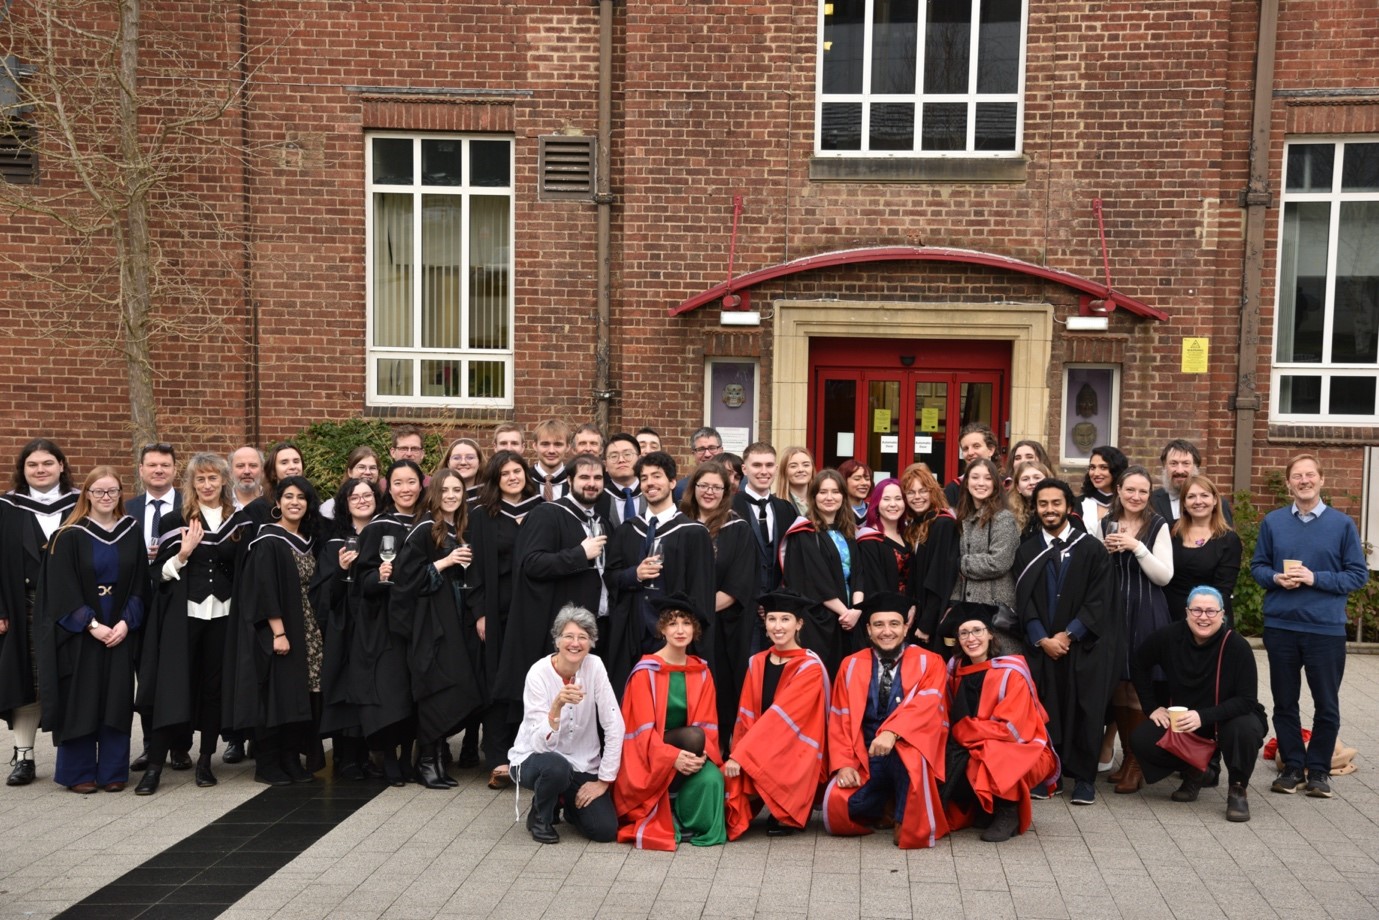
{"x": 622, "y": 494}
{"x": 705, "y": 443}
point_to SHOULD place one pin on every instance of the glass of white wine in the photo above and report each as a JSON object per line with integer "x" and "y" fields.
{"x": 387, "y": 551}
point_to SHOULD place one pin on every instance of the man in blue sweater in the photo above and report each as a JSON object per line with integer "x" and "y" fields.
{"x": 1308, "y": 559}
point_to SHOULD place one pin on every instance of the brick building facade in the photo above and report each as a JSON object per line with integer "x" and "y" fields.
{"x": 397, "y": 250}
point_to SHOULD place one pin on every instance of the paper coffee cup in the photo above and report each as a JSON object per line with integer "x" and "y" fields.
{"x": 1290, "y": 564}
{"x": 1174, "y": 714}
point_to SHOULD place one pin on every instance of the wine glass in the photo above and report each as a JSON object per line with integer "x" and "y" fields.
{"x": 657, "y": 555}
{"x": 596, "y": 530}
{"x": 464, "y": 567}
{"x": 153, "y": 542}
{"x": 387, "y": 551}
{"x": 351, "y": 546}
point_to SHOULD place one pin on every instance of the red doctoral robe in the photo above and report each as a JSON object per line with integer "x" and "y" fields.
{"x": 920, "y": 721}
{"x": 642, "y": 789}
{"x": 1007, "y": 740}
{"x": 781, "y": 751}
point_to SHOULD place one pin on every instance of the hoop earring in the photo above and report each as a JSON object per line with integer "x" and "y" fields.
{"x": 276, "y": 513}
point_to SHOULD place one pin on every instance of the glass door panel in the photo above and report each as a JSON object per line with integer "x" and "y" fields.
{"x": 883, "y": 426}
{"x": 838, "y": 413}
{"x": 931, "y": 426}
{"x": 976, "y": 404}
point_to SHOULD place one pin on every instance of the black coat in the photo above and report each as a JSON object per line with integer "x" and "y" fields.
{"x": 813, "y": 568}
{"x": 735, "y": 574}
{"x": 768, "y": 554}
{"x": 82, "y": 684}
{"x": 377, "y": 679}
{"x": 933, "y": 575}
{"x": 335, "y": 604}
{"x": 494, "y": 539}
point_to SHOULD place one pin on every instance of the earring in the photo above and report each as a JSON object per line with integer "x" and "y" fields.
{"x": 276, "y": 513}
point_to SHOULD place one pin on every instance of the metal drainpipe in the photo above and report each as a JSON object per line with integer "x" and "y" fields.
{"x": 247, "y": 242}
{"x": 603, "y": 198}
{"x": 1256, "y": 199}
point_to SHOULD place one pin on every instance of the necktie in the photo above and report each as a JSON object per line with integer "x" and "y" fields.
{"x": 1054, "y": 577}
{"x": 762, "y": 524}
{"x": 156, "y": 507}
{"x": 883, "y": 696}
{"x": 650, "y": 536}
{"x": 629, "y": 504}
{"x": 547, "y": 489}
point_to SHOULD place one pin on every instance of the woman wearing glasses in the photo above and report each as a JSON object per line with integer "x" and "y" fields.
{"x": 466, "y": 457}
{"x": 94, "y": 586}
{"x": 1211, "y": 675}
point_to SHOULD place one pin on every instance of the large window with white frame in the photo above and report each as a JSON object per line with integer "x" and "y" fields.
{"x": 1326, "y": 326}
{"x": 440, "y": 265}
{"x": 912, "y": 78}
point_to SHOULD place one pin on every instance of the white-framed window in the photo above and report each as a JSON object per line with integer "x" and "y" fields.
{"x": 910, "y": 78}
{"x": 439, "y": 270}
{"x": 1326, "y": 327}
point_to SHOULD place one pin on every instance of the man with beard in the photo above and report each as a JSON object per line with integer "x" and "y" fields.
{"x": 1181, "y": 461}
{"x": 246, "y": 465}
{"x": 622, "y": 493}
{"x": 887, "y": 732}
{"x": 1064, "y": 595}
{"x": 661, "y": 552}
{"x": 557, "y": 560}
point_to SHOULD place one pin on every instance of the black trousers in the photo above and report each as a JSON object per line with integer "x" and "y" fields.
{"x": 551, "y": 778}
{"x": 205, "y": 664}
{"x": 1238, "y": 740}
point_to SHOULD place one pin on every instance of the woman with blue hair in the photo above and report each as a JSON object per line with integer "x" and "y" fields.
{"x": 1212, "y": 688}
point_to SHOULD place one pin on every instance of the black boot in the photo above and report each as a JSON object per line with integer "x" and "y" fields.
{"x": 204, "y": 776}
{"x": 1237, "y": 803}
{"x": 267, "y": 766}
{"x": 346, "y": 757}
{"x": 148, "y": 783}
{"x": 542, "y": 830}
{"x": 1005, "y": 821}
{"x": 446, "y": 778}
{"x": 292, "y": 766}
{"x": 1191, "y": 786}
{"x": 429, "y": 770}
{"x": 392, "y": 770}
{"x": 234, "y": 752}
{"x": 23, "y": 772}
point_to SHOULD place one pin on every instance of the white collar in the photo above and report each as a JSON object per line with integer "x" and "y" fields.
{"x": 48, "y": 497}
{"x": 1061, "y": 535}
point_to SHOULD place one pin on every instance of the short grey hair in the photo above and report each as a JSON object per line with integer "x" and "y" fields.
{"x": 573, "y": 613}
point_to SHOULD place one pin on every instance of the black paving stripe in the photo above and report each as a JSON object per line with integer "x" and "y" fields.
{"x": 203, "y": 874}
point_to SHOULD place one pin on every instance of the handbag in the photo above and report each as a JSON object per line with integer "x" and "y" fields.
{"x": 1190, "y": 747}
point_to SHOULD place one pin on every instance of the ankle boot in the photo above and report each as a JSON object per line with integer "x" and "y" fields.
{"x": 204, "y": 776}
{"x": 292, "y": 766}
{"x": 445, "y": 776}
{"x": 429, "y": 768}
{"x": 267, "y": 763}
{"x": 1118, "y": 721}
{"x": 148, "y": 783}
{"x": 1005, "y": 822}
{"x": 392, "y": 770}
{"x": 1133, "y": 778}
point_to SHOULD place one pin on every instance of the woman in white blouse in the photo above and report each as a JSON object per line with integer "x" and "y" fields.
{"x": 557, "y": 753}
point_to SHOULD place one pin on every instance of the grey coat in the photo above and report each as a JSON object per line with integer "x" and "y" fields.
{"x": 986, "y": 554}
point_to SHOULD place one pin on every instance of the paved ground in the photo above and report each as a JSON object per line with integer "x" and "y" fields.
{"x": 416, "y": 853}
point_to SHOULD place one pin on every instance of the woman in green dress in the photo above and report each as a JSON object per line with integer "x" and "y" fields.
{"x": 670, "y": 785}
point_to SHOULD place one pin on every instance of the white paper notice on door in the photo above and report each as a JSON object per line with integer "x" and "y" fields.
{"x": 890, "y": 444}
{"x": 924, "y": 445}
{"x": 844, "y": 444}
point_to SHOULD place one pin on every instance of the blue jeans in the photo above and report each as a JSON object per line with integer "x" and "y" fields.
{"x": 1322, "y": 659}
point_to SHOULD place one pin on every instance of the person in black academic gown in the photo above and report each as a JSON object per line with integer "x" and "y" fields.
{"x": 284, "y": 460}
{"x": 181, "y": 663}
{"x": 708, "y": 500}
{"x": 273, "y": 682}
{"x": 29, "y": 515}
{"x": 634, "y": 573}
{"x": 558, "y": 560}
{"x": 506, "y": 495}
{"x": 89, "y": 610}
{"x": 931, "y": 532}
{"x": 378, "y": 676}
{"x": 443, "y": 654}
{"x": 1064, "y": 595}
{"x": 881, "y": 540}
{"x": 820, "y": 561}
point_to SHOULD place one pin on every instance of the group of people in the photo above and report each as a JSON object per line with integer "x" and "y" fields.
{"x": 658, "y": 658}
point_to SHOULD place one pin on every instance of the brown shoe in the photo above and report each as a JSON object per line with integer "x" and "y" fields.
{"x": 84, "y": 788}
{"x": 114, "y": 787}
{"x": 500, "y": 778}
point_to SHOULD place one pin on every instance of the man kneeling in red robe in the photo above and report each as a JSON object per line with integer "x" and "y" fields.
{"x": 887, "y": 730}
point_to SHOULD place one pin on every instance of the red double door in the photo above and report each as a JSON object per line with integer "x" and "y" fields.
{"x": 891, "y": 403}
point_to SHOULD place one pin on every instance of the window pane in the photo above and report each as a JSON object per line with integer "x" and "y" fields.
{"x": 1302, "y": 280}
{"x": 893, "y": 48}
{"x": 840, "y": 417}
{"x": 440, "y": 378}
{"x": 392, "y": 161}
{"x": 441, "y": 262}
{"x": 995, "y": 126}
{"x": 998, "y": 47}
{"x": 1352, "y": 396}
{"x": 392, "y": 270}
{"x": 947, "y": 46}
{"x": 490, "y": 163}
{"x": 394, "y": 377}
{"x": 488, "y": 272}
{"x": 1309, "y": 167}
{"x": 945, "y": 126}
{"x": 487, "y": 379}
{"x": 1355, "y": 316}
{"x": 1300, "y": 395}
{"x": 842, "y": 126}
{"x": 843, "y": 47}
{"x": 1360, "y": 172}
{"x": 441, "y": 162}
{"x": 892, "y": 126}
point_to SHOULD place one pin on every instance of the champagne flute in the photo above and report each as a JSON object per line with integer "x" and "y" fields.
{"x": 351, "y": 546}
{"x": 657, "y": 555}
{"x": 387, "y": 551}
{"x": 596, "y": 530}
{"x": 464, "y": 567}
{"x": 153, "y": 543}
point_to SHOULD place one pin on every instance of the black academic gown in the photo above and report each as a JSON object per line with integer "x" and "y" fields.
{"x": 271, "y": 690}
{"x": 768, "y": 553}
{"x": 735, "y": 574}
{"x": 886, "y": 563}
{"x": 687, "y": 569}
{"x": 22, "y": 546}
{"x": 1076, "y": 688}
{"x": 813, "y": 568}
{"x": 609, "y": 505}
{"x": 377, "y": 679}
{"x": 494, "y": 539}
{"x": 84, "y": 685}
{"x": 442, "y": 653}
{"x": 933, "y": 574}
{"x": 335, "y": 604}
{"x": 167, "y": 688}
{"x": 550, "y": 571}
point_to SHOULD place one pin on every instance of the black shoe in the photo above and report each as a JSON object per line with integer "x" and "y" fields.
{"x": 316, "y": 758}
{"x": 541, "y": 831}
{"x": 271, "y": 775}
{"x": 23, "y": 772}
{"x": 1005, "y": 821}
{"x": 140, "y": 763}
{"x": 775, "y": 829}
{"x": 1211, "y": 777}
{"x": 1237, "y": 803}
{"x": 446, "y": 778}
{"x": 292, "y": 767}
{"x": 148, "y": 783}
{"x": 429, "y": 771}
{"x": 1191, "y": 786}
{"x": 1318, "y": 786}
{"x": 234, "y": 752}
{"x": 1289, "y": 781}
{"x": 180, "y": 760}
{"x": 204, "y": 776}
{"x": 469, "y": 757}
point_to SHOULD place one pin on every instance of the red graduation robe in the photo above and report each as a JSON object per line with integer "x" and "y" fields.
{"x": 1007, "y": 740}
{"x": 921, "y": 723}
{"x": 781, "y": 751}
{"x": 642, "y": 789}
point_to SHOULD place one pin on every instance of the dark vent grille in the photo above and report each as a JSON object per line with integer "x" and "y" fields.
{"x": 567, "y": 167}
{"x": 18, "y": 153}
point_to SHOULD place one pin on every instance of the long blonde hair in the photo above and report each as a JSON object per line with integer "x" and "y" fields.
{"x": 83, "y": 506}
{"x": 1020, "y": 506}
{"x": 783, "y": 480}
